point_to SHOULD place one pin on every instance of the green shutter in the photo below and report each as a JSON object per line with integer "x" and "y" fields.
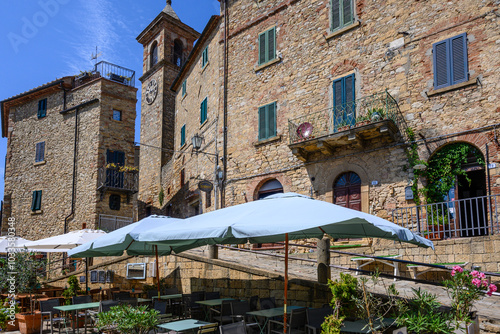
{"x": 204, "y": 57}
{"x": 203, "y": 111}
{"x": 271, "y": 44}
{"x": 347, "y": 12}
{"x": 184, "y": 88}
{"x": 33, "y": 201}
{"x": 335, "y": 5}
{"x": 42, "y": 108}
{"x": 262, "y": 123}
{"x": 271, "y": 120}
{"x": 183, "y": 135}
{"x": 36, "y": 201}
{"x": 262, "y": 48}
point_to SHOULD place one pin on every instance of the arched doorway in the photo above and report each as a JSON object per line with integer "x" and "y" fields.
{"x": 347, "y": 191}
{"x": 269, "y": 188}
{"x": 463, "y": 188}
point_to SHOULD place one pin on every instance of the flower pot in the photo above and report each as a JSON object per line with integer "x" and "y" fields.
{"x": 12, "y": 327}
{"x": 343, "y": 128}
{"x": 29, "y": 323}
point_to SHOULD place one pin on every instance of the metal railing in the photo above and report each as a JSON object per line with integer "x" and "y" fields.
{"x": 110, "y": 223}
{"x": 374, "y": 108}
{"x": 112, "y": 178}
{"x": 109, "y": 71}
{"x": 468, "y": 217}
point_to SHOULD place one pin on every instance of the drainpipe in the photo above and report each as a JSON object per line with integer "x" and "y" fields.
{"x": 76, "y": 108}
{"x": 224, "y": 153}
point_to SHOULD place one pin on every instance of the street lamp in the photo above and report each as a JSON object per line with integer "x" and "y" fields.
{"x": 197, "y": 140}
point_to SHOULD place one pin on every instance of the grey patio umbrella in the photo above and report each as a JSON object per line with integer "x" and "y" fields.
{"x": 276, "y": 218}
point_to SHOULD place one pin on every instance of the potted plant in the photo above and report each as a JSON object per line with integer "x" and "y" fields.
{"x": 127, "y": 319}
{"x": 362, "y": 120}
{"x": 20, "y": 276}
{"x": 8, "y": 310}
{"x": 376, "y": 114}
{"x": 343, "y": 126}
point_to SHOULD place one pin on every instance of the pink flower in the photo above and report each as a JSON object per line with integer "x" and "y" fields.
{"x": 476, "y": 282}
{"x": 489, "y": 293}
{"x": 482, "y": 275}
{"x": 453, "y": 272}
{"x": 485, "y": 284}
{"x": 493, "y": 288}
{"x": 458, "y": 269}
{"x": 475, "y": 273}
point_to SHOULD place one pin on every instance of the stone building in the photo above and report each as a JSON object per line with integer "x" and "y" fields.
{"x": 352, "y": 102}
{"x": 70, "y": 153}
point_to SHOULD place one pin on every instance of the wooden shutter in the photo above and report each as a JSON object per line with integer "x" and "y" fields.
{"x": 458, "y": 47}
{"x": 335, "y": 14}
{"x": 347, "y": 12}
{"x": 262, "y": 48}
{"x": 40, "y": 152}
{"x": 262, "y": 122}
{"x": 271, "y": 44}
{"x": 271, "y": 120}
{"x": 441, "y": 73}
{"x": 350, "y": 110}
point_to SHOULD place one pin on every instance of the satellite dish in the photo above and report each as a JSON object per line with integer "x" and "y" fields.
{"x": 304, "y": 130}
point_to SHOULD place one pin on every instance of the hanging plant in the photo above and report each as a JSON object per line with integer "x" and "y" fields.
{"x": 161, "y": 196}
{"x": 444, "y": 167}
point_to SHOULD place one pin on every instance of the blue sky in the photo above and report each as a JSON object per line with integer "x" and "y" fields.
{"x": 41, "y": 40}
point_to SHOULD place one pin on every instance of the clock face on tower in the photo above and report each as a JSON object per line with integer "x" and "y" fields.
{"x": 151, "y": 91}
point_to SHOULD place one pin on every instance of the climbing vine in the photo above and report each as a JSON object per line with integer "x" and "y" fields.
{"x": 413, "y": 159}
{"x": 444, "y": 167}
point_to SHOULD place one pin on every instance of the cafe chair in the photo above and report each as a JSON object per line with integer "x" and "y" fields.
{"x": 253, "y": 301}
{"x": 121, "y": 295}
{"x": 234, "y": 328}
{"x": 315, "y": 317}
{"x": 239, "y": 310}
{"x": 222, "y": 316}
{"x": 210, "y": 328}
{"x": 212, "y": 295}
{"x": 267, "y": 303}
{"x": 82, "y": 300}
{"x": 47, "y": 310}
{"x": 296, "y": 323}
{"x": 161, "y": 307}
{"x": 171, "y": 291}
{"x": 106, "y": 305}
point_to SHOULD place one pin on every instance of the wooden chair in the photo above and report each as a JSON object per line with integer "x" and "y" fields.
{"x": 210, "y": 328}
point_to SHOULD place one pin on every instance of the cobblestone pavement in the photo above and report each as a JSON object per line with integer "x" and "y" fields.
{"x": 488, "y": 306}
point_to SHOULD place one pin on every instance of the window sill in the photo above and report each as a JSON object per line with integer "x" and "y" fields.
{"x": 40, "y": 163}
{"x": 203, "y": 124}
{"x": 269, "y": 63}
{"x": 267, "y": 141}
{"x": 115, "y": 120}
{"x": 204, "y": 67}
{"x": 471, "y": 82}
{"x": 342, "y": 30}
{"x": 183, "y": 146}
{"x": 37, "y": 212}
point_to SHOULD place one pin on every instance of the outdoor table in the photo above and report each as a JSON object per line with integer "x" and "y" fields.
{"x": 168, "y": 297}
{"x": 211, "y": 303}
{"x": 77, "y": 307}
{"x": 183, "y": 325}
{"x": 270, "y": 313}
{"x": 362, "y": 261}
{"x": 133, "y": 292}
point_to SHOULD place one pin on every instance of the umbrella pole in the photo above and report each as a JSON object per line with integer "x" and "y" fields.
{"x": 157, "y": 272}
{"x": 86, "y": 275}
{"x": 286, "y": 284}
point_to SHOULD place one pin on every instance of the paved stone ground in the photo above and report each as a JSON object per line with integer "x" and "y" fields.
{"x": 488, "y": 307}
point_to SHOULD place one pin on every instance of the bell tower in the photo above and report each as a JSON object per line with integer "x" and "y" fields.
{"x": 167, "y": 43}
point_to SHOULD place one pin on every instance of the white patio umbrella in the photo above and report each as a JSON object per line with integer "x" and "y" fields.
{"x": 64, "y": 242}
{"x": 11, "y": 244}
{"x": 276, "y": 218}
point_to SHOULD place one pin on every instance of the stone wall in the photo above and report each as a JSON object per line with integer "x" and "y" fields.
{"x": 96, "y": 132}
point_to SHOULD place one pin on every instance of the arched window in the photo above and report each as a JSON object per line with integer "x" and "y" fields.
{"x": 154, "y": 54}
{"x": 347, "y": 191}
{"x": 269, "y": 188}
{"x": 178, "y": 48}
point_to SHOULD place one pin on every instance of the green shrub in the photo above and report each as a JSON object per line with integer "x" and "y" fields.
{"x": 127, "y": 319}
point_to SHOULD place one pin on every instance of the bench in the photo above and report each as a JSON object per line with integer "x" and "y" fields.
{"x": 448, "y": 266}
{"x": 362, "y": 261}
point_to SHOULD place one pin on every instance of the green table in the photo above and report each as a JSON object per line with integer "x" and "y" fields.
{"x": 270, "y": 313}
{"x": 211, "y": 303}
{"x": 168, "y": 297}
{"x": 77, "y": 307}
{"x": 183, "y": 325}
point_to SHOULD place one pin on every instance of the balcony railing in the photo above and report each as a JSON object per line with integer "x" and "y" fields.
{"x": 109, "y": 71}
{"x": 110, "y": 223}
{"x": 459, "y": 218}
{"x": 109, "y": 178}
{"x": 370, "y": 109}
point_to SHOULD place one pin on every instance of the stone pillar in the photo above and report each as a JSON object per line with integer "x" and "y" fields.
{"x": 213, "y": 252}
{"x": 323, "y": 258}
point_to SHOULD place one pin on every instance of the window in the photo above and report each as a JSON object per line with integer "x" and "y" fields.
{"x": 114, "y": 202}
{"x": 269, "y": 188}
{"x": 267, "y": 121}
{"x": 450, "y": 61}
{"x": 117, "y": 115}
{"x": 344, "y": 107}
{"x": 203, "y": 111}
{"x": 204, "y": 57}
{"x": 42, "y": 108}
{"x": 182, "y": 177}
{"x": 208, "y": 199}
{"x": 36, "y": 202}
{"x": 178, "y": 53}
{"x": 341, "y": 14}
{"x": 184, "y": 88}
{"x": 154, "y": 54}
{"x": 183, "y": 135}
{"x": 40, "y": 152}
{"x": 267, "y": 46}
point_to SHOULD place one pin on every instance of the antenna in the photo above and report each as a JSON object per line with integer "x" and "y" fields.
{"x": 95, "y": 56}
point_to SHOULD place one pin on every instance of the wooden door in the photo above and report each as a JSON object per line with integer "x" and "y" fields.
{"x": 347, "y": 191}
